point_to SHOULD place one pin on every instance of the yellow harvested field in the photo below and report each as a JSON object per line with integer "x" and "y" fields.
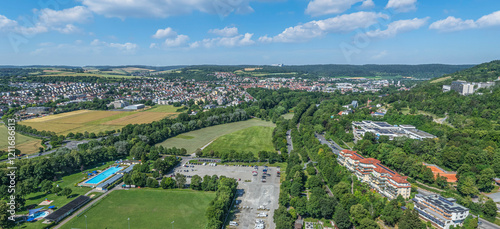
{"x": 26, "y": 144}
{"x": 139, "y": 118}
{"x": 95, "y": 121}
{"x": 57, "y": 116}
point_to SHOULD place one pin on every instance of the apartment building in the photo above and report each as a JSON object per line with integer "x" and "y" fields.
{"x": 441, "y": 212}
{"x": 371, "y": 171}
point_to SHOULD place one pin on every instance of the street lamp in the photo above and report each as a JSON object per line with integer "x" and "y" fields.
{"x": 85, "y": 221}
{"x": 128, "y": 223}
{"x": 172, "y": 224}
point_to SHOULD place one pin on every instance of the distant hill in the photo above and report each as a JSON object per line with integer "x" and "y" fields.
{"x": 480, "y": 73}
{"x": 337, "y": 70}
{"x": 423, "y": 71}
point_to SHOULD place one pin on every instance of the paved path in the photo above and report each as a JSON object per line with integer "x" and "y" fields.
{"x": 289, "y": 141}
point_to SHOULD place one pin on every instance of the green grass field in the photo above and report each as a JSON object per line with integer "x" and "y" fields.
{"x": 196, "y": 139}
{"x": 59, "y": 201}
{"x": 147, "y": 208}
{"x": 252, "y": 139}
{"x": 287, "y": 116}
{"x": 26, "y": 144}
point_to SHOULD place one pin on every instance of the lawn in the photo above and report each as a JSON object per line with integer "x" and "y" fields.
{"x": 252, "y": 139}
{"x": 288, "y": 116}
{"x": 26, "y": 144}
{"x": 441, "y": 79}
{"x": 68, "y": 181}
{"x": 94, "y": 121}
{"x": 147, "y": 208}
{"x": 197, "y": 139}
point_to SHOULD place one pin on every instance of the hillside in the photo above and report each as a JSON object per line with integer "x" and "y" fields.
{"x": 480, "y": 73}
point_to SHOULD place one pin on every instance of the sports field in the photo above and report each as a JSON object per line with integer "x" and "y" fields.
{"x": 33, "y": 199}
{"x": 27, "y": 145}
{"x": 252, "y": 139}
{"x": 197, "y": 139}
{"x": 97, "y": 121}
{"x": 147, "y": 208}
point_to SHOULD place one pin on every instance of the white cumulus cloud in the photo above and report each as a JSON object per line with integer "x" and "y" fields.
{"x": 124, "y": 47}
{"x": 177, "y": 41}
{"x": 402, "y": 5}
{"x": 225, "y": 32}
{"x": 451, "y": 23}
{"x": 50, "y": 20}
{"x": 339, "y": 24}
{"x": 367, "y": 4}
{"x": 166, "y": 8}
{"x": 322, "y": 7}
{"x": 172, "y": 38}
{"x": 398, "y": 27}
{"x": 162, "y": 33}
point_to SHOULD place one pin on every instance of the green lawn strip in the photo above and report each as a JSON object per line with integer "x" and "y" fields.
{"x": 147, "y": 208}
{"x": 252, "y": 139}
{"x": 184, "y": 136}
{"x": 203, "y": 136}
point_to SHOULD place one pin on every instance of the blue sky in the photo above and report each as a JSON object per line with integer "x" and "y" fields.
{"x": 179, "y": 32}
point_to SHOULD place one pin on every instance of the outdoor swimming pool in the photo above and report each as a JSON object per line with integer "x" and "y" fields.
{"x": 102, "y": 176}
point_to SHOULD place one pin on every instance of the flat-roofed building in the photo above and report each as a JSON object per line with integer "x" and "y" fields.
{"x": 386, "y": 129}
{"x": 371, "y": 171}
{"x": 441, "y": 212}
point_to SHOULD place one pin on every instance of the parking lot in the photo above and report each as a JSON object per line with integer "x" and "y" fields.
{"x": 253, "y": 193}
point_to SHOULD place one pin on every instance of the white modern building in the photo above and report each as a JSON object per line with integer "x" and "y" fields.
{"x": 386, "y": 129}
{"x": 441, "y": 212}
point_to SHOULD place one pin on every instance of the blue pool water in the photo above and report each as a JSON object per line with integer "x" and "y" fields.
{"x": 102, "y": 176}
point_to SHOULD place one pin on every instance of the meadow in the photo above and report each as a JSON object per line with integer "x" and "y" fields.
{"x": 98, "y": 121}
{"x": 24, "y": 143}
{"x": 197, "y": 139}
{"x": 147, "y": 208}
{"x": 252, "y": 139}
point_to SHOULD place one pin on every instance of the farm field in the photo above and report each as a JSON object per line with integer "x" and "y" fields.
{"x": 97, "y": 74}
{"x": 95, "y": 121}
{"x": 165, "y": 108}
{"x": 147, "y": 208}
{"x": 26, "y": 144}
{"x": 197, "y": 139}
{"x": 252, "y": 139}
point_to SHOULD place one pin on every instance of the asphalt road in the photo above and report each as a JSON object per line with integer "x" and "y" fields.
{"x": 289, "y": 141}
{"x": 334, "y": 146}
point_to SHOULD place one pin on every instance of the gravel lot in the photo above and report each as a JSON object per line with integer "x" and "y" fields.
{"x": 253, "y": 192}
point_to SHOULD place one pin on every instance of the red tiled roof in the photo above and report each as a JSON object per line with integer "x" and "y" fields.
{"x": 400, "y": 179}
{"x": 369, "y": 161}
